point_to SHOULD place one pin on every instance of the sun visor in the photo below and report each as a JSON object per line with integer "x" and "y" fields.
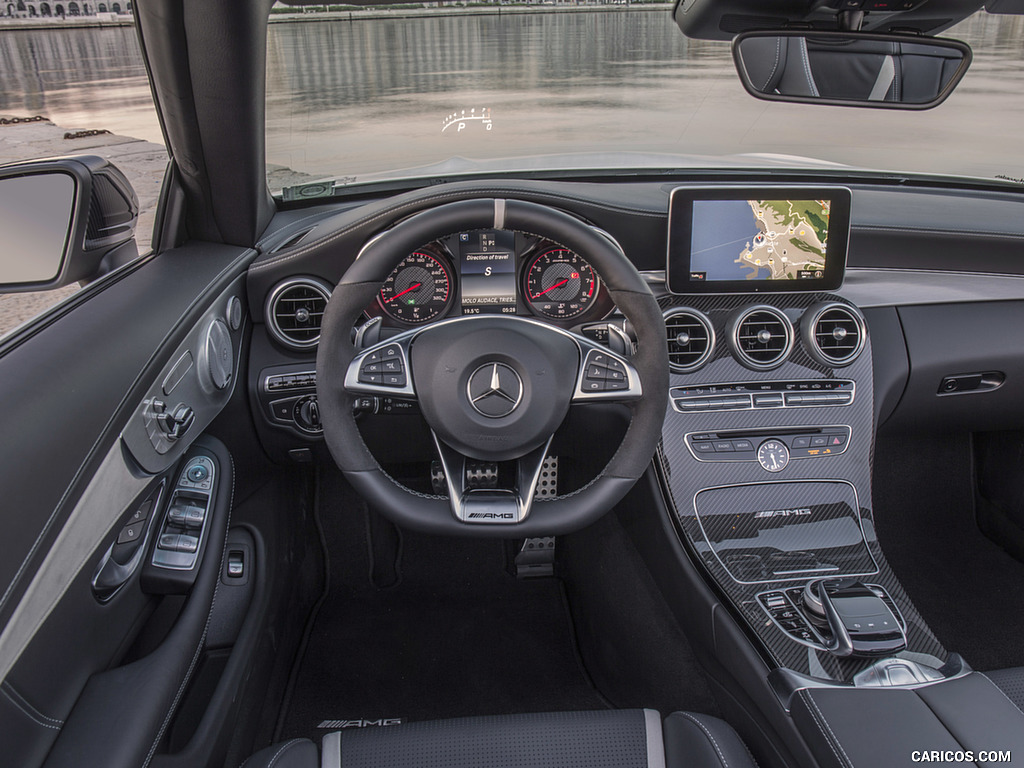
{"x": 724, "y": 19}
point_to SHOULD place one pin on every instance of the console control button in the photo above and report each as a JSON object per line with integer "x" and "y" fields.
{"x": 703, "y": 446}
{"x": 197, "y": 473}
{"x": 131, "y": 532}
{"x": 142, "y": 513}
{"x": 281, "y": 410}
{"x": 801, "y": 442}
{"x": 742, "y": 445}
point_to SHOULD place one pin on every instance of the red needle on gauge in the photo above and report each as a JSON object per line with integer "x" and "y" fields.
{"x": 556, "y": 285}
{"x": 410, "y": 288}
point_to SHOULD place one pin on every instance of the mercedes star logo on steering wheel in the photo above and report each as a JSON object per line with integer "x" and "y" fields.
{"x": 494, "y": 390}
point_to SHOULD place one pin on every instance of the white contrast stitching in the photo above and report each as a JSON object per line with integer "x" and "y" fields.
{"x": 707, "y": 733}
{"x": 28, "y": 704}
{"x": 287, "y": 745}
{"x": 29, "y": 714}
{"x": 826, "y": 730}
{"x": 778, "y": 55}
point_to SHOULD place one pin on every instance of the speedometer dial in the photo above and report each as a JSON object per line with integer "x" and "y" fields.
{"x": 419, "y": 289}
{"x": 560, "y": 284}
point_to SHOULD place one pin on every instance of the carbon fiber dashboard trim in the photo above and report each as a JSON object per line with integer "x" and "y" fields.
{"x": 683, "y": 476}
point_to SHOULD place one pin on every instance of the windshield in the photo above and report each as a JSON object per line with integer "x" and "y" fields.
{"x": 370, "y": 94}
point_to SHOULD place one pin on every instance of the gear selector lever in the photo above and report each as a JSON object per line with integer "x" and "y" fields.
{"x": 858, "y": 618}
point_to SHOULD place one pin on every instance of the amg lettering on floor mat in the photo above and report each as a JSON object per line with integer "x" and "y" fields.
{"x": 334, "y": 725}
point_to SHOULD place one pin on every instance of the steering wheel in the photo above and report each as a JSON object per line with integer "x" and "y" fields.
{"x": 491, "y": 387}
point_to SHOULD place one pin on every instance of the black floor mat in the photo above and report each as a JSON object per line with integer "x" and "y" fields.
{"x": 457, "y": 636}
{"x": 966, "y": 587}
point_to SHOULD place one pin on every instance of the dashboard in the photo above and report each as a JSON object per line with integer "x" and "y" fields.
{"x": 904, "y": 273}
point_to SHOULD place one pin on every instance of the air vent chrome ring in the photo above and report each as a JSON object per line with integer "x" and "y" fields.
{"x": 691, "y": 339}
{"x": 833, "y": 334}
{"x": 308, "y": 291}
{"x": 761, "y": 337}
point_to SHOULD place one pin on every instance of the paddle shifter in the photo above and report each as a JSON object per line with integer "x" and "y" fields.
{"x": 860, "y": 622}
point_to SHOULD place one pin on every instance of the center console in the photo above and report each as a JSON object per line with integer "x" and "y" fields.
{"x": 766, "y": 458}
{"x": 766, "y": 466}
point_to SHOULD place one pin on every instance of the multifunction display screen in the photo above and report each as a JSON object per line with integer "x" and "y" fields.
{"x": 487, "y": 266}
{"x": 724, "y": 240}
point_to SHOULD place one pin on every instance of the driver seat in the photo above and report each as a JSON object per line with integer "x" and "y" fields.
{"x": 629, "y": 738}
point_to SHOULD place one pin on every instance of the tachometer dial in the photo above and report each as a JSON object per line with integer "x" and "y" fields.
{"x": 560, "y": 284}
{"x": 419, "y": 289}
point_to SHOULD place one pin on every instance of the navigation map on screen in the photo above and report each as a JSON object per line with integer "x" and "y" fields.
{"x": 758, "y": 240}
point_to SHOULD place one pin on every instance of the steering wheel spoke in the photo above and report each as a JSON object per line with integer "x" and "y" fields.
{"x": 383, "y": 369}
{"x": 604, "y": 376}
{"x": 491, "y": 506}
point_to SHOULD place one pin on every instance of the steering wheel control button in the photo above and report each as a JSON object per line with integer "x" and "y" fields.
{"x": 494, "y": 390}
{"x": 603, "y": 373}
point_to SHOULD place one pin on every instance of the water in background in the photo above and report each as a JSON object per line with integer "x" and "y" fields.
{"x": 348, "y": 98}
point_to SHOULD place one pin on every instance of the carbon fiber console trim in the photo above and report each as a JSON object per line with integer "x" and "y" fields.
{"x": 683, "y": 476}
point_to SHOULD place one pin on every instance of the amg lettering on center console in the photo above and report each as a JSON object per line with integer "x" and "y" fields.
{"x": 801, "y": 512}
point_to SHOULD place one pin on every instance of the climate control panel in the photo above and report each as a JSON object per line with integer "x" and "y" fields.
{"x": 772, "y": 448}
{"x": 761, "y": 395}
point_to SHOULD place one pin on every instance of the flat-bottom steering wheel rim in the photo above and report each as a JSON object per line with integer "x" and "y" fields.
{"x": 358, "y": 289}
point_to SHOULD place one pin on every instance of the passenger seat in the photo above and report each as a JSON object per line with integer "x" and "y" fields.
{"x": 631, "y": 738}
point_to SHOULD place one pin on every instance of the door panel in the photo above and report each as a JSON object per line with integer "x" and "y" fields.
{"x": 69, "y": 388}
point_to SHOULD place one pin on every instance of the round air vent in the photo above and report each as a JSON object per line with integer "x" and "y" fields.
{"x": 761, "y": 337}
{"x": 691, "y": 339}
{"x": 295, "y": 309}
{"x": 833, "y": 333}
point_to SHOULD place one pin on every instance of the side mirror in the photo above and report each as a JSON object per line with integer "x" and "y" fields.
{"x": 62, "y": 220}
{"x": 850, "y": 69}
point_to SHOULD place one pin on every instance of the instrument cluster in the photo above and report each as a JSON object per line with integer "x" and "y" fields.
{"x": 492, "y": 272}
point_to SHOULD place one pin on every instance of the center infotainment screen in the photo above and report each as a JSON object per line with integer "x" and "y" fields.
{"x": 726, "y": 240}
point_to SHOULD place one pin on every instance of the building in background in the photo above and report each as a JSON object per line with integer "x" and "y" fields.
{"x": 61, "y": 9}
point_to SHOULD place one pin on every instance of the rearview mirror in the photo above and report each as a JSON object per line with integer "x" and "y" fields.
{"x": 62, "y": 221}
{"x": 850, "y": 69}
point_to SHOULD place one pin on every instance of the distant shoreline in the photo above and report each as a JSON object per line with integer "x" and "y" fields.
{"x": 351, "y": 14}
